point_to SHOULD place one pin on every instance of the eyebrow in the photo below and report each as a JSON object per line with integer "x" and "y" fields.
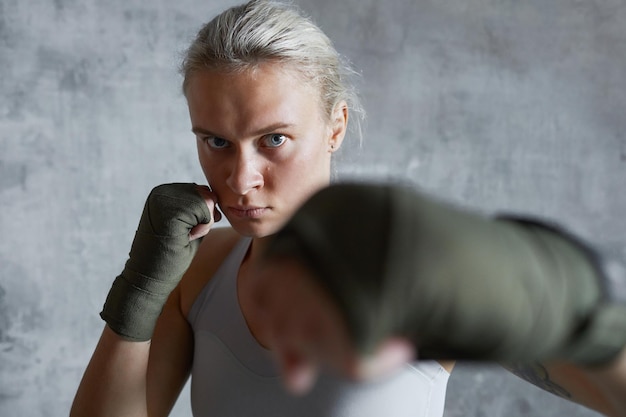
{"x": 196, "y": 130}
{"x": 267, "y": 129}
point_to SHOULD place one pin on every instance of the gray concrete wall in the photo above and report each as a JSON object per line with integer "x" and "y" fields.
{"x": 512, "y": 105}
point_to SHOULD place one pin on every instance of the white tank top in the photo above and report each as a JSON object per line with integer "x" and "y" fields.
{"x": 234, "y": 376}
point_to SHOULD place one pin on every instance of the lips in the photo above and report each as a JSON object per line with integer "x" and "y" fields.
{"x": 246, "y": 212}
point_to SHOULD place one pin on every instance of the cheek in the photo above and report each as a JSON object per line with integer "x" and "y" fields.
{"x": 313, "y": 151}
{"x": 209, "y": 166}
{"x": 202, "y": 158}
{"x": 305, "y": 164}
{"x": 302, "y": 174}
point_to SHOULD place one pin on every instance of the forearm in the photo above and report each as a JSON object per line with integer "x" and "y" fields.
{"x": 611, "y": 381}
{"x": 114, "y": 383}
{"x": 600, "y": 389}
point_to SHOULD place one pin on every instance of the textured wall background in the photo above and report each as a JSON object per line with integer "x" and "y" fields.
{"x": 495, "y": 104}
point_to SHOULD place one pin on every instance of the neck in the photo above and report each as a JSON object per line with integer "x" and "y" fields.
{"x": 256, "y": 250}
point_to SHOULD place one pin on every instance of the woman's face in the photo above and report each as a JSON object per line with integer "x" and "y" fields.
{"x": 263, "y": 143}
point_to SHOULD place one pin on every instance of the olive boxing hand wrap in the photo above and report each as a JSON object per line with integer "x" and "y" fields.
{"x": 457, "y": 284}
{"x": 159, "y": 256}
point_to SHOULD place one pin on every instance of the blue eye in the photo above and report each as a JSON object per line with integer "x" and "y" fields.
{"x": 275, "y": 140}
{"x": 217, "y": 143}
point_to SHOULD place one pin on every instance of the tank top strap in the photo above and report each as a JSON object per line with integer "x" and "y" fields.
{"x": 221, "y": 277}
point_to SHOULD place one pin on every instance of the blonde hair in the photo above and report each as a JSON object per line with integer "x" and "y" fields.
{"x": 259, "y": 31}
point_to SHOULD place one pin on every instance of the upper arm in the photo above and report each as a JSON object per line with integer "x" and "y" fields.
{"x": 171, "y": 351}
{"x": 601, "y": 390}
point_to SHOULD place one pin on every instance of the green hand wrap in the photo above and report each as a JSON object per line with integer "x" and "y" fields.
{"x": 457, "y": 284}
{"x": 159, "y": 256}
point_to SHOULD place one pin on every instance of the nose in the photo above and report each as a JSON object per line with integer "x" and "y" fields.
{"x": 245, "y": 174}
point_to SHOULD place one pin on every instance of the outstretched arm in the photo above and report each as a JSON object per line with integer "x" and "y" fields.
{"x": 399, "y": 266}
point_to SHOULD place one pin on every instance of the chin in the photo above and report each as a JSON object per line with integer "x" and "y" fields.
{"x": 255, "y": 229}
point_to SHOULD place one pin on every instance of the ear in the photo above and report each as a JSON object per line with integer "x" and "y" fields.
{"x": 337, "y": 126}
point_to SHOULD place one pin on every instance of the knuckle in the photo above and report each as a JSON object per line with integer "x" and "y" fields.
{"x": 175, "y": 208}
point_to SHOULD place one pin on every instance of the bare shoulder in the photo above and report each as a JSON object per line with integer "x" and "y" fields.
{"x": 213, "y": 250}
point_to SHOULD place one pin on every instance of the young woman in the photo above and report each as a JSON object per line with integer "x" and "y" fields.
{"x": 268, "y": 98}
